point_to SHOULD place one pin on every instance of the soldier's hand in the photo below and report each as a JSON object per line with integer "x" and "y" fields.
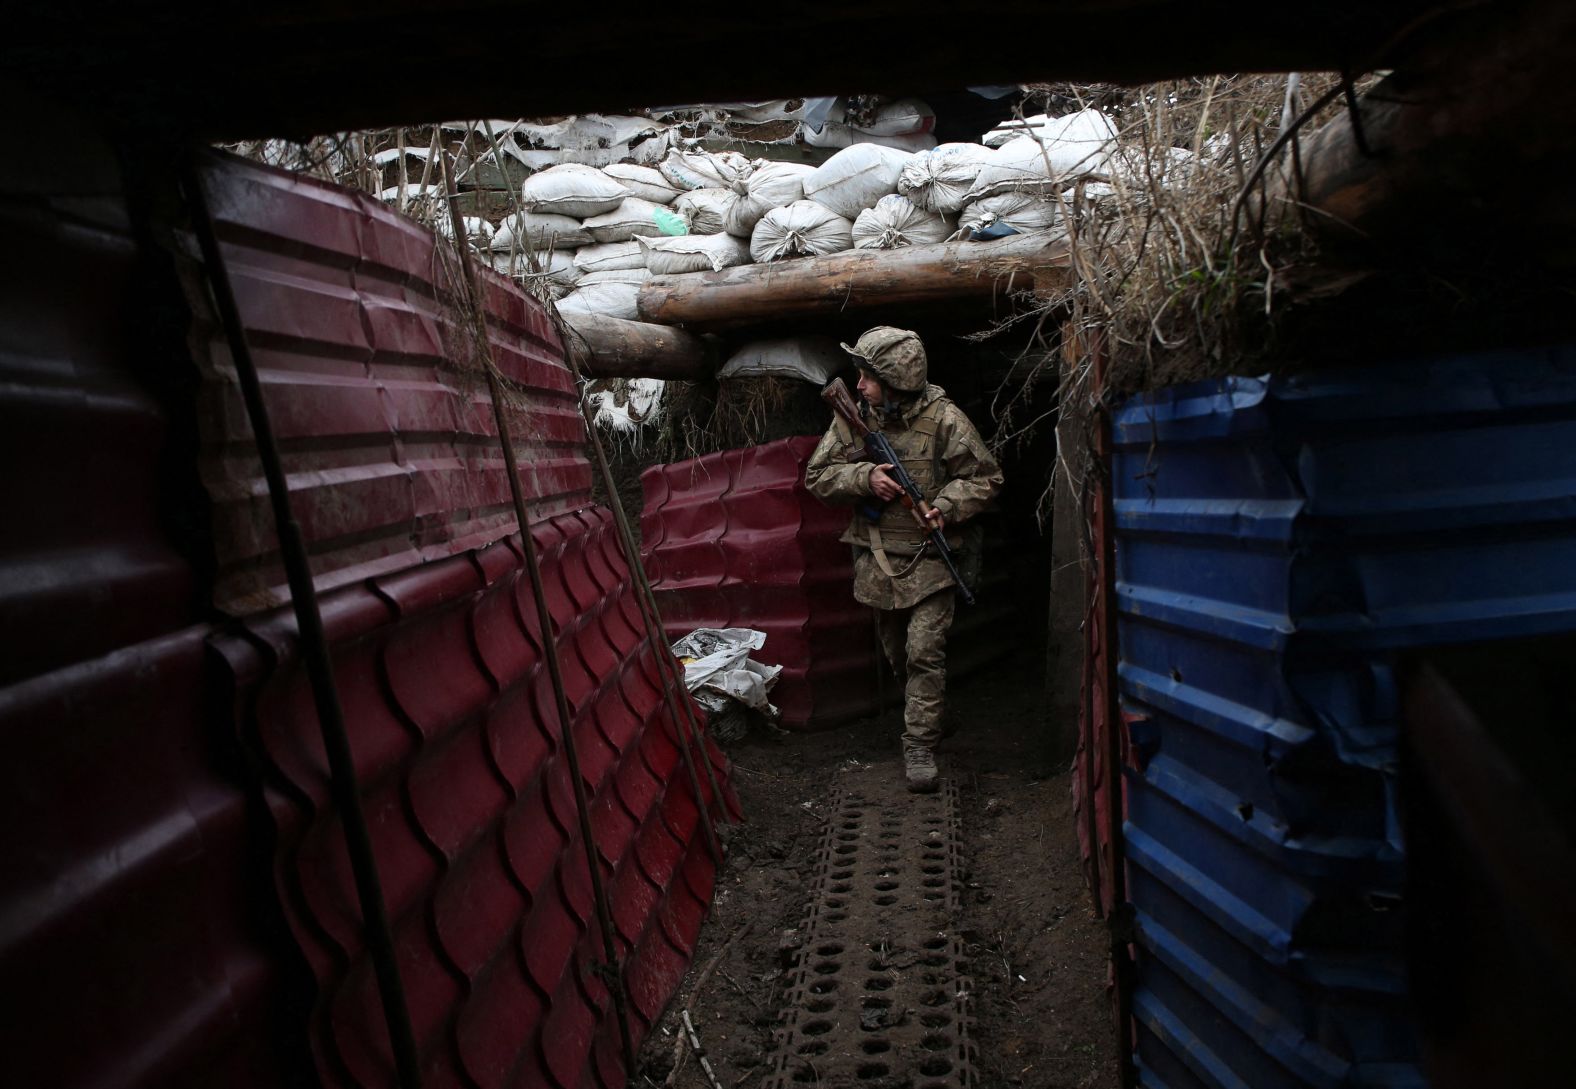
{"x": 934, "y": 520}
{"x": 884, "y": 486}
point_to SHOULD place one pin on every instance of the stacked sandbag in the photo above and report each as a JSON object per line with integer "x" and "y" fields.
{"x": 634, "y": 216}
{"x": 804, "y": 228}
{"x": 570, "y": 189}
{"x": 896, "y": 221}
{"x": 688, "y": 170}
{"x": 855, "y": 178}
{"x": 770, "y": 185}
{"x": 645, "y": 182}
{"x": 477, "y": 230}
{"x": 939, "y": 180}
{"x": 811, "y": 359}
{"x": 1048, "y": 157}
{"x": 556, "y": 268}
{"x": 609, "y": 299}
{"x": 538, "y": 231}
{"x": 706, "y": 210}
{"x": 610, "y": 257}
{"x": 636, "y": 276}
{"x": 669, "y": 255}
{"x": 1008, "y": 213}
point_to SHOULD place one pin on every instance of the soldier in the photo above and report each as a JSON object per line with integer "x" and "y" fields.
{"x": 894, "y": 571}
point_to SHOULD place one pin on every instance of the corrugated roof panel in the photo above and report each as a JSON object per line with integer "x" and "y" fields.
{"x": 135, "y": 948}
{"x": 1278, "y": 541}
{"x": 385, "y": 429}
{"x": 734, "y": 539}
{"x": 474, "y": 824}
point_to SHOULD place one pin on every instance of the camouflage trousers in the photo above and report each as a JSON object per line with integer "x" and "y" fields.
{"x": 915, "y": 642}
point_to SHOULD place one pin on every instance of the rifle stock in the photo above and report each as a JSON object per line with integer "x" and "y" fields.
{"x": 878, "y": 448}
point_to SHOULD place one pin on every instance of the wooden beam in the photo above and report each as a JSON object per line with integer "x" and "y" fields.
{"x": 615, "y": 348}
{"x": 857, "y": 279}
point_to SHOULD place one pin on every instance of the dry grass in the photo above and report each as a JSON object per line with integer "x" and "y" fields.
{"x": 1179, "y": 265}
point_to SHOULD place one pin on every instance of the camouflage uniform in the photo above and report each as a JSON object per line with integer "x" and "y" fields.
{"x": 910, "y": 589}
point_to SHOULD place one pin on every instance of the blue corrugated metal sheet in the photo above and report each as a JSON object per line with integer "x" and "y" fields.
{"x": 1278, "y": 540}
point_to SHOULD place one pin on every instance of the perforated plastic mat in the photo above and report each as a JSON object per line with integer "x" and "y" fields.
{"x": 877, "y": 996}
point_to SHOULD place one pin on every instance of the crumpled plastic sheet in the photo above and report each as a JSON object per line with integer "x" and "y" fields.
{"x": 718, "y": 669}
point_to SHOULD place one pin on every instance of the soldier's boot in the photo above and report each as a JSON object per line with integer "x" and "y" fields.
{"x": 919, "y": 768}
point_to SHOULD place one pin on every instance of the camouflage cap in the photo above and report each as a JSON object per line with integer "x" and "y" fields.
{"x": 896, "y": 356}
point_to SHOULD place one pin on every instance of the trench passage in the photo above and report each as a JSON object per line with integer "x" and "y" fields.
{"x": 876, "y": 996}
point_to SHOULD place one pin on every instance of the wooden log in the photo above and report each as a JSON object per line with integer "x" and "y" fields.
{"x": 854, "y": 280}
{"x": 616, "y": 348}
{"x": 1458, "y": 154}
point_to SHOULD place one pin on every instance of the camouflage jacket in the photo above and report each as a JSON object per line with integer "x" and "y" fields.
{"x": 947, "y": 458}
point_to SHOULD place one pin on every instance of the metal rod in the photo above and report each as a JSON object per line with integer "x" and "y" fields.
{"x": 545, "y": 624}
{"x": 667, "y": 665}
{"x": 314, "y": 646}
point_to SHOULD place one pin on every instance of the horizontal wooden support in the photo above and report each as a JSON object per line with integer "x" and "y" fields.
{"x": 854, "y": 280}
{"x": 616, "y": 348}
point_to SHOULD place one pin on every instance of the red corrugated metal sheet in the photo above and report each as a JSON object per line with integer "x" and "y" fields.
{"x": 733, "y": 539}
{"x": 135, "y": 929}
{"x": 383, "y": 420}
{"x": 472, "y": 813}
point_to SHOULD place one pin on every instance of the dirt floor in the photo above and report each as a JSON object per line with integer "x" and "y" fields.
{"x": 1034, "y": 948}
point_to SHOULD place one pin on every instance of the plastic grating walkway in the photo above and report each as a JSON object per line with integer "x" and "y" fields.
{"x": 877, "y": 996}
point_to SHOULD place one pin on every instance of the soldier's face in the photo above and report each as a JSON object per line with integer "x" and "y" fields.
{"x": 870, "y": 389}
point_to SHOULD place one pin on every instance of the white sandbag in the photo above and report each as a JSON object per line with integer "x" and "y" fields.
{"x": 608, "y": 300}
{"x": 939, "y": 180}
{"x": 813, "y": 359}
{"x": 894, "y": 222}
{"x": 668, "y": 255}
{"x": 836, "y": 135}
{"x": 617, "y": 276}
{"x": 606, "y": 257}
{"x": 855, "y": 178}
{"x": 559, "y": 267}
{"x": 570, "y": 189}
{"x": 703, "y": 169}
{"x": 768, "y": 186}
{"x": 632, "y": 217}
{"x": 706, "y": 210}
{"x": 1022, "y": 212}
{"x": 803, "y": 229}
{"x": 645, "y": 182}
{"x": 1056, "y": 152}
{"x": 536, "y": 231}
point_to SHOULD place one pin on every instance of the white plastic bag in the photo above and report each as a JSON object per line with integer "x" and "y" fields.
{"x": 608, "y": 300}
{"x": 894, "y": 222}
{"x": 855, "y": 178}
{"x": 609, "y": 256}
{"x": 813, "y": 359}
{"x": 803, "y": 229}
{"x": 706, "y": 210}
{"x": 768, "y": 186}
{"x": 1023, "y": 212}
{"x": 535, "y": 231}
{"x": 939, "y": 180}
{"x": 632, "y": 217}
{"x": 832, "y": 134}
{"x": 669, "y": 255}
{"x": 703, "y": 169}
{"x": 645, "y": 182}
{"x": 570, "y": 189}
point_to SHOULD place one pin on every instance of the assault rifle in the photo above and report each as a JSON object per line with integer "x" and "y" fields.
{"x": 878, "y": 448}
